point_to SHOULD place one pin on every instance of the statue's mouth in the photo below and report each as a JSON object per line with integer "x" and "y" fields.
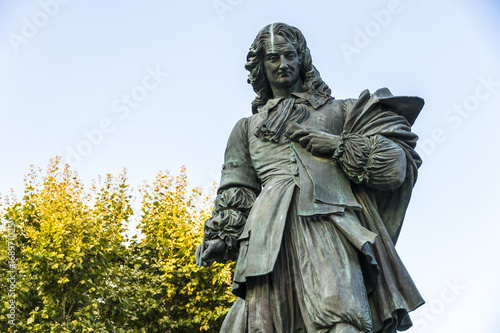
{"x": 287, "y": 73}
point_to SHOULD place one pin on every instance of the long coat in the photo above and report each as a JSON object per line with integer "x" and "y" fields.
{"x": 329, "y": 186}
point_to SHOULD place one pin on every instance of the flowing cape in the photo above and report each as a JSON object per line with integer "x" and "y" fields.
{"x": 391, "y": 292}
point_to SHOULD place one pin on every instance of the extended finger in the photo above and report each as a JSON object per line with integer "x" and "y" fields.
{"x": 297, "y": 134}
{"x": 305, "y": 141}
{"x": 207, "y": 252}
{"x": 310, "y": 146}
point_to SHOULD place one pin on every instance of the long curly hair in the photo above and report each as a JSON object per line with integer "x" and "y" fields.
{"x": 311, "y": 79}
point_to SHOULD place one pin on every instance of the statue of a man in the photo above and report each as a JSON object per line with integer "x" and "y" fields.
{"x": 311, "y": 201}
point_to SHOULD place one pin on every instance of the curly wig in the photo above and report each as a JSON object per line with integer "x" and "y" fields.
{"x": 311, "y": 79}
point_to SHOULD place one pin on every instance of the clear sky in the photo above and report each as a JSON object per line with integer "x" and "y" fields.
{"x": 153, "y": 85}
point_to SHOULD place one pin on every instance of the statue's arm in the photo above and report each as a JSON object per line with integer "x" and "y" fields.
{"x": 235, "y": 197}
{"x": 228, "y": 219}
{"x": 373, "y": 160}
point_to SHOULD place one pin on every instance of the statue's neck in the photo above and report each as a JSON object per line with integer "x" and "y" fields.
{"x": 284, "y": 92}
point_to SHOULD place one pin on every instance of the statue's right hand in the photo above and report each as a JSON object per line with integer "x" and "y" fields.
{"x": 210, "y": 251}
{"x": 296, "y": 131}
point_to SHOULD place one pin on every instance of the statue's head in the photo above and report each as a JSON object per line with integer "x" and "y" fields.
{"x": 309, "y": 75}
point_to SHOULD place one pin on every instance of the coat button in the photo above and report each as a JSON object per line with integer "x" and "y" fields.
{"x": 293, "y": 159}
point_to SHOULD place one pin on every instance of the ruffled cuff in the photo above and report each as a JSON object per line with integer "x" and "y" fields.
{"x": 375, "y": 161}
{"x": 228, "y": 219}
{"x": 240, "y": 198}
{"x": 353, "y": 154}
{"x": 339, "y": 151}
{"x": 226, "y": 225}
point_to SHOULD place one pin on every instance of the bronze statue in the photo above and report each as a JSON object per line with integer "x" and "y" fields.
{"x": 312, "y": 199}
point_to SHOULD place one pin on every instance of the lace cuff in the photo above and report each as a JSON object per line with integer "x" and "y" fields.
{"x": 231, "y": 209}
{"x": 376, "y": 161}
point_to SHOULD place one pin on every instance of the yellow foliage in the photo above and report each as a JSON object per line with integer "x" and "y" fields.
{"x": 79, "y": 271}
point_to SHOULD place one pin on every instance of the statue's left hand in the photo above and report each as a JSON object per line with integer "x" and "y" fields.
{"x": 316, "y": 142}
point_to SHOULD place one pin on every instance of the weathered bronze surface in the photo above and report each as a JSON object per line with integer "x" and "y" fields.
{"x": 312, "y": 199}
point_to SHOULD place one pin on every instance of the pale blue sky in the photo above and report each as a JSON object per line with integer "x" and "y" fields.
{"x": 67, "y": 67}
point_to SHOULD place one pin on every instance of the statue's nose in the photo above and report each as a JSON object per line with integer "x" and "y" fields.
{"x": 283, "y": 62}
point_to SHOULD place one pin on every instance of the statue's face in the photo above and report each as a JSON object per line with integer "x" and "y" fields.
{"x": 281, "y": 62}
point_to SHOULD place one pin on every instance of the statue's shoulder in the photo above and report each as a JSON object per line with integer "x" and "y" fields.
{"x": 242, "y": 124}
{"x": 244, "y": 128}
{"x": 244, "y": 121}
{"x": 340, "y": 107}
{"x": 348, "y": 103}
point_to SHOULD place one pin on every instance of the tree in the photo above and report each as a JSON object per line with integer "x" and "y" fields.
{"x": 176, "y": 295}
{"x": 77, "y": 270}
{"x": 69, "y": 244}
